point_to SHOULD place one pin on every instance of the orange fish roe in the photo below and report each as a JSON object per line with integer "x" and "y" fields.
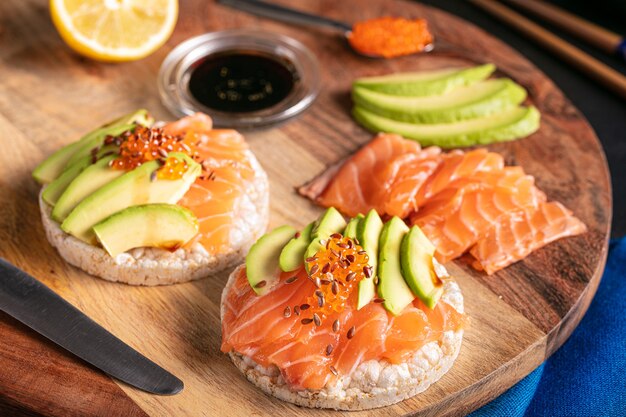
{"x": 149, "y": 144}
{"x": 390, "y": 36}
{"x": 336, "y": 269}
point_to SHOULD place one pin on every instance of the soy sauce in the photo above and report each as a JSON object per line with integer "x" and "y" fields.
{"x": 241, "y": 81}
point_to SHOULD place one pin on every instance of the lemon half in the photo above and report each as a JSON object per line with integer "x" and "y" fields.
{"x": 114, "y": 30}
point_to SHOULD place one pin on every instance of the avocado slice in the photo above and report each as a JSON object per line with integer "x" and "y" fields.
{"x": 88, "y": 181}
{"x": 150, "y": 225}
{"x": 56, "y": 188}
{"x": 416, "y": 259}
{"x": 368, "y": 234}
{"x": 54, "y": 165}
{"x": 462, "y": 103}
{"x": 330, "y": 222}
{"x": 292, "y": 254}
{"x": 96, "y": 142}
{"x": 351, "y": 228}
{"x": 262, "y": 259}
{"x": 131, "y": 189}
{"x": 503, "y": 126}
{"x": 392, "y": 287}
{"x": 425, "y": 83}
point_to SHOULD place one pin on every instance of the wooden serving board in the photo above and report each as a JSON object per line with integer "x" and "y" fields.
{"x": 49, "y": 96}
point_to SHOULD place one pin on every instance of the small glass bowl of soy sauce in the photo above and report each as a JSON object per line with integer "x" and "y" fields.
{"x": 242, "y": 78}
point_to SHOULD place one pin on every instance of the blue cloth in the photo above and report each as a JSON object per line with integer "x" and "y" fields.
{"x": 586, "y": 377}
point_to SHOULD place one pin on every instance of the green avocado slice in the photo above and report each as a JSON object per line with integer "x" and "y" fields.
{"x": 499, "y": 127}
{"x": 263, "y": 257}
{"x": 462, "y": 103}
{"x": 392, "y": 287}
{"x": 331, "y": 221}
{"x": 425, "y": 83}
{"x": 151, "y": 225}
{"x": 54, "y": 165}
{"x": 91, "y": 179}
{"x": 56, "y": 188}
{"x": 416, "y": 258}
{"x": 351, "y": 229}
{"x": 131, "y": 189}
{"x": 368, "y": 235}
{"x": 292, "y": 254}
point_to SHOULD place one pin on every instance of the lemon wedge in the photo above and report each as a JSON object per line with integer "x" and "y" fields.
{"x": 114, "y": 30}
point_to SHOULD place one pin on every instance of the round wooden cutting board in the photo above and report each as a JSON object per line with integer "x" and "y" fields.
{"x": 49, "y": 97}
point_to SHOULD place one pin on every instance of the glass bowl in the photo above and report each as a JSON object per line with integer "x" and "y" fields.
{"x": 176, "y": 69}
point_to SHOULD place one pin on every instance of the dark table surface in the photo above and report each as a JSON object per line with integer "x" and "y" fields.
{"x": 605, "y": 111}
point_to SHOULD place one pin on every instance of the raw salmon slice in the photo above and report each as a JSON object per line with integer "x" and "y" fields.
{"x": 355, "y": 188}
{"x": 459, "y": 216}
{"x": 256, "y": 326}
{"x": 224, "y": 156}
{"x": 523, "y": 232}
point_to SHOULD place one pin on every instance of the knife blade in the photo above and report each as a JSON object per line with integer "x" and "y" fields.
{"x": 37, "y": 306}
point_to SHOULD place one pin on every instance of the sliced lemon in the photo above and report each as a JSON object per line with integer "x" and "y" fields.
{"x": 114, "y": 30}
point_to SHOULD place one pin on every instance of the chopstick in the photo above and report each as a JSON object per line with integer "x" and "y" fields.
{"x": 590, "y": 66}
{"x": 591, "y": 33}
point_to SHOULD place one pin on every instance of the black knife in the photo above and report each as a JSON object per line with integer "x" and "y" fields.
{"x": 38, "y": 307}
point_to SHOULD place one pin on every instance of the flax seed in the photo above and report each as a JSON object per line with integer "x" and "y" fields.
{"x": 329, "y": 350}
{"x": 317, "y": 320}
{"x": 333, "y": 370}
{"x": 261, "y": 284}
{"x": 336, "y": 326}
{"x": 304, "y": 306}
{"x": 287, "y": 312}
{"x": 291, "y": 280}
{"x": 351, "y": 332}
{"x": 334, "y": 287}
{"x": 306, "y": 321}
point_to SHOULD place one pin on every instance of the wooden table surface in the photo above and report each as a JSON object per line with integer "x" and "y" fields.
{"x": 49, "y": 96}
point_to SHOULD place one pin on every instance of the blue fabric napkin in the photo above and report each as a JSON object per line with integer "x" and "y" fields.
{"x": 586, "y": 377}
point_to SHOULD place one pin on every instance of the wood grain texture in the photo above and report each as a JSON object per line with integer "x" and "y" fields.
{"x": 49, "y": 96}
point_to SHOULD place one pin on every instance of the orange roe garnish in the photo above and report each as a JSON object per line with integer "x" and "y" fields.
{"x": 336, "y": 270}
{"x": 148, "y": 144}
{"x": 390, "y": 36}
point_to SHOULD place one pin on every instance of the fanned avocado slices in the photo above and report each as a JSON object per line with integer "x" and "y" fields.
{"x": 56, "y": 163}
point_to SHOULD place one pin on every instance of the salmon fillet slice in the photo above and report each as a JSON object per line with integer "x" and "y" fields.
{"x": 523, "y": 232}
{"x": 213, "y": 197}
